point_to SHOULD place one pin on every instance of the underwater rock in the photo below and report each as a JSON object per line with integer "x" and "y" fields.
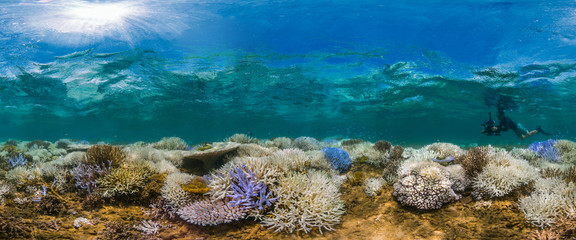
{"x": 200, "y": 162}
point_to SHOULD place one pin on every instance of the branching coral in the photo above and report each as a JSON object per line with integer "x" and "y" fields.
{"x": 445, "y": 150}
{"x": 103, "y": 153}
{"x": 546, "y": 150}
{"x": 372, "y": 186}
{"x": 208, "y": 211}
{"x": 552, "y": 199}
{"x": 171, "y": 143}
{"x": 305, "y": 202}
{"x": 86, "y": 176}
{"x": 503, "y": 174}
{"x": 382, "y": 146}
{"x": 567, "y": 150}
{"x": 307, "y": 143}
{"x": 474, "y": 160}
{"x": 248, "y": 191}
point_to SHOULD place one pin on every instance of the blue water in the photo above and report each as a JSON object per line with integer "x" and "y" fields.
{"x": 410, "y": 72}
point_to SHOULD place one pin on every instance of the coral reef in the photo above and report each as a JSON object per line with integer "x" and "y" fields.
{"x": 241, "y": 138}
{"x": 424, "y": 185}
{"x": 105, "y": 154}
{"x": 546, "y": 150}
{"x": 125, "y": 180}
{"x": 503, "y": 174}
{"x": 551, "y": 199}
{"x": 474, "y": 160}
{"x": 305, "y": 202}
{"x": 206, "y": 212}
{"x": 383, "y": 146}
{"x": 339, "y": 158}
{"x": 445, "y": 150}
{"x": 248, "y": 191}
{"x": 373, "y": 186}
{"x": 307, "y": 143}
{"x": 171, "y": 143}
{"x": 567, "y": 150}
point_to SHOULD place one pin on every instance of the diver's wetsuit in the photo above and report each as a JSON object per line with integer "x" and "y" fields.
{"x": 506, "y": 123}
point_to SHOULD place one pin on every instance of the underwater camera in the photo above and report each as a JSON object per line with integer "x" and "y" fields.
{"x": 488, "y": 125}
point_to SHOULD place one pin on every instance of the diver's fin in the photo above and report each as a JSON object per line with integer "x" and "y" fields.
{"x": 539, "y": 128}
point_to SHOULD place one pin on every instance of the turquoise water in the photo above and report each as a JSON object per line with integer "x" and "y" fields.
{"x": 410, "y": 72}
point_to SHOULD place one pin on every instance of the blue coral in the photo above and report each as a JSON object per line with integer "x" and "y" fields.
{"x": 546, "y": 150}
{"x": 17, "y": 160}
{"x": 339, "y": 158}
{"x": 248, "y": 192}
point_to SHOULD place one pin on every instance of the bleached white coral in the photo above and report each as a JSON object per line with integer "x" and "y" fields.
{"x": 171, "y": 143}
{"x": 20, "y": 174}
{"x": 172, "y": 189}
{"x": 551, "y": 198}
{"x": 424, "y": 185}
{"x": 283, "y": 142}
{"x": 373, "y": 186}
{"x": 307, "y": 143}
{"x": 241, "y": 138}
{"x": 148, "y": 227}
{"x": 305, "y": 202}
{"x": 503, "y": 174}
{"x": 418, "y": 155}
{"x": 4, "y": 190}
{"x": 252, "y": 150}
{"x": 367, "y": 153}
{"x": 289, "y": 159}
{"x": 445, "y": 150}
{"x": 81, "y": 221}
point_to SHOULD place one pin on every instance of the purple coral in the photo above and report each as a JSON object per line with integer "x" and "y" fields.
{"x": 248, "y": 192}
{"x": 546, "y": 150}
{"x": 87, "y": 175}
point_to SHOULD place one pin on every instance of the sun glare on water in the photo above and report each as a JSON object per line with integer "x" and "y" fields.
{"x": 87, "y": 17}
{"x": 81, "y": 22}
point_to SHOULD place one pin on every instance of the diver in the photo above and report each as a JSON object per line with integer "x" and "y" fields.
{"x": 505, "y": 124}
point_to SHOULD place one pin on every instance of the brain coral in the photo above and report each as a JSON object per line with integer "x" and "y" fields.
{"x": 424, "y": 185}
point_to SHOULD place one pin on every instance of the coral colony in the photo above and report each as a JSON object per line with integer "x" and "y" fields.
{"x": 283, "y": 185}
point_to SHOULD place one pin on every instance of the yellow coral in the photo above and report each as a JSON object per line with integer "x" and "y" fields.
{"x": 197, "y": 186}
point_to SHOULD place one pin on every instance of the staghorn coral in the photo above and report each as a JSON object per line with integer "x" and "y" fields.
{"x": 171, "y": 143}
{"x": 249, "y": 192}
{"x": 102, "y": 153}
{"x": 395, "y": 158}
{"x": 474, "y": 160}
{"x": 339, "y": 158}
{"x": 305, "y": 202}
{"x": 502, "y": 175}
{"x": 424, "y": 185}
{"x": 206, "y": 212}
